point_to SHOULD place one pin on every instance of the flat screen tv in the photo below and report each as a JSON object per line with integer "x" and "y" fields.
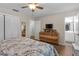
{"x": 49, "y": 26}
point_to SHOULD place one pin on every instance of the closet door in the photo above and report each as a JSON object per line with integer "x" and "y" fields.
{"x": 1, "y": 27}
{"x": 12, "y": 27}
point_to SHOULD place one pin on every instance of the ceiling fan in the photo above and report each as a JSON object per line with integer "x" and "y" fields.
{"x": 33, "y": 6}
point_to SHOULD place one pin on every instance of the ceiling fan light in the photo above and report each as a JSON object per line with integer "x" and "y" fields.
{"x": 32, "y": 6}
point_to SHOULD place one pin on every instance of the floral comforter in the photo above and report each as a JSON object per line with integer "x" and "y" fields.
{"x": 26, "y": 47}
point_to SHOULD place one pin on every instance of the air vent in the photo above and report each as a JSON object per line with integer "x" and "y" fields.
{"x": 15, "y": 10}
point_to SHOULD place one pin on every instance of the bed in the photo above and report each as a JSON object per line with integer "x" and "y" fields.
{"x": 26, "y": 47}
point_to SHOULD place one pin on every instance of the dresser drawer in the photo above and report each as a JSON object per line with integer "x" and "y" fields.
{"x": 49, "y": 37}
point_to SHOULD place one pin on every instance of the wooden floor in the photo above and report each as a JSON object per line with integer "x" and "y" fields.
{"x": 64, "y": 50}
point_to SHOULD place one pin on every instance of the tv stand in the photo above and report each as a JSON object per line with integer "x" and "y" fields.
{"x": 48, "y": 30}
{"x": 50, "y": 37}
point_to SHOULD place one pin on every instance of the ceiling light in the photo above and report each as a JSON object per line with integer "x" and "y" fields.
{"x": 32, "y": 6}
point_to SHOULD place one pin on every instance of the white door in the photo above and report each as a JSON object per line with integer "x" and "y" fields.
{"x": 69, "y": 29}
{"x": 1, "y": 27}
{"x": 31, "y": 28}
{"x": 37, "y": 29}
{"x": 76, "y": 29}
{"x": 12, "y": 27}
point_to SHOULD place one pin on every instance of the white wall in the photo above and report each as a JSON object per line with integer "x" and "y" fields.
{"x": 27, "y": 20}
{"x": 58, "y": 21}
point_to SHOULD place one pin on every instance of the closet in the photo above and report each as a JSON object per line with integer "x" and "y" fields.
{"x": 1, "y": 27}
{"x": 9, "y": 27}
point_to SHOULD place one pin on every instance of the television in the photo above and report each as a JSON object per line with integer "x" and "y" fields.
{"x": 49, "y": 26}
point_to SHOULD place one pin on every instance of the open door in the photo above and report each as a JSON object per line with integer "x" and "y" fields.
{"x": 76, "y": 29}
{"x": 72, "y": 29}
{"x": 69, "y": 29}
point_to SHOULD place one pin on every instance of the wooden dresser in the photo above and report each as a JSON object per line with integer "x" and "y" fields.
{"x": 50, "y": 37}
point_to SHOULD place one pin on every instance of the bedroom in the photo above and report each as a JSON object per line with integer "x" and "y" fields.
{"x": 21, "y": 27}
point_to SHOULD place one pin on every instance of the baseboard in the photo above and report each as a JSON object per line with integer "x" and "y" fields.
{"x": 62, "y": 43}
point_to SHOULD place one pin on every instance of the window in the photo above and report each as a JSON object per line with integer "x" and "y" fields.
{"x": 69, "y": 23}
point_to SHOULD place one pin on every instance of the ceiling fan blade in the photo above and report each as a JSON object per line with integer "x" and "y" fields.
{"x": 39, "y": 7}
{"x": 24, "y": 7}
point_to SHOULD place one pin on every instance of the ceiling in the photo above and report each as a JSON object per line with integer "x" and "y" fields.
{"x": 49, "y": 8}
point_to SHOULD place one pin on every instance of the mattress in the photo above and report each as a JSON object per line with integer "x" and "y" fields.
{"x": 26, "y": 47}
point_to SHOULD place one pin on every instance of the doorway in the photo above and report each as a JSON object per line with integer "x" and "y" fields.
{"x": 71, "y": 29}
